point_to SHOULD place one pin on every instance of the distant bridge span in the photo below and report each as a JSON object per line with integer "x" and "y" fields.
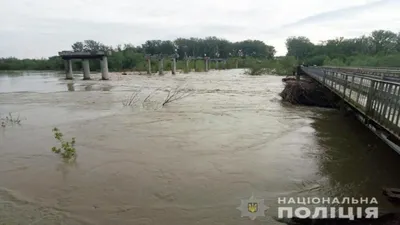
{"x": 372, "y": 93}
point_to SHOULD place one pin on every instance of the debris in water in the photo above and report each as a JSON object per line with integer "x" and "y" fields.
{"x": 307, "y": 92}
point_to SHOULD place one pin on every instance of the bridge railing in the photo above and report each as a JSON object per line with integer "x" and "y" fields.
{"x": 377, "y": 99}
{"x": 376, "y": 73}
{"x": 374, "y": 69}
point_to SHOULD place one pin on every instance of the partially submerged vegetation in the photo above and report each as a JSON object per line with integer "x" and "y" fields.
{"x": 10, "y": 119}
{"x": 67, "y": 148}
{"x": 256, "y": 68}
{"x": 173, "y": 94}
{"x": 279, "y": 66}
{"x": 132, "y": 99}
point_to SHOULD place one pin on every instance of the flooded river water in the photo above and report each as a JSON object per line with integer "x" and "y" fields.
{"x": 189, "y": 162}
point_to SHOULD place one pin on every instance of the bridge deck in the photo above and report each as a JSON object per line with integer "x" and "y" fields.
{"x": 67, "y": 55}
{"x": 374, "y": 93}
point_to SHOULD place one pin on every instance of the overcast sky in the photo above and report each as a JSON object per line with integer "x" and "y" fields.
{"x": 41, "y": 28}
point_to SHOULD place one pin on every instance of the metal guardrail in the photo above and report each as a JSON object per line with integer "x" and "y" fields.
{"x": 375, "y": 98}
{"x": 375, "y": 69}
{"x": 389, "y": 75}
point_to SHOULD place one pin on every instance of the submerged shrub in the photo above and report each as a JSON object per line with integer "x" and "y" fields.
{"x": 10, "y": 120}
{"x": 67, "y": 150}
{"x": 256, "y": 68}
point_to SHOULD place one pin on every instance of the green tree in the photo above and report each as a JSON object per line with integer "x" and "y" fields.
{"x": 299, "y": 47}
{"x": 78, "y": 47}
{"x": 380, "y": 48}
{"x": 384, "y": 41}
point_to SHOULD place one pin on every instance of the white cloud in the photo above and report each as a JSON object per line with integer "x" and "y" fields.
{"x": 41, "y": 28}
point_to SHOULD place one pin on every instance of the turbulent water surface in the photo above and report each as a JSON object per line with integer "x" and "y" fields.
{"x": 189, "y": 162}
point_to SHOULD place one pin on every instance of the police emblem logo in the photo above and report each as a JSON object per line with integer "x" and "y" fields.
{"x": 252, "y": 208}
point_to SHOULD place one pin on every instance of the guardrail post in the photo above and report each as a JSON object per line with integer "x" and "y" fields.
{"x": 387, "y": 102}
{"x": 351, "y": 88}
{"x": 345, "y": 86}
{"x": 359, "y": 89}
{"x": 368, "y": 105}
{"x": 323, "y": 79}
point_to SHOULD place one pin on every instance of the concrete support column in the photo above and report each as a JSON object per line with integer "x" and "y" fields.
{"x": 173, "y": 66}
{"x": 66, "y": 66}
{"x": 86, "y": 69}
{"x": 161, "y": 67}
{"x": 187, "y": 66}
{"x": 206, "y": 65}
{"x": 104, "y": 68}
{"x": 216, "y": 65}
{"x": 68, "y": 69}
{"x": 148, "y": 66}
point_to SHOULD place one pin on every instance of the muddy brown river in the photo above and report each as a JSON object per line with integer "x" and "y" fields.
{"x": 189, "y": 162}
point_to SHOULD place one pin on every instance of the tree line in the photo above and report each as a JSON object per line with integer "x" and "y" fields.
{"x": 380, "y": 48}
{"x": 128, "y": 56}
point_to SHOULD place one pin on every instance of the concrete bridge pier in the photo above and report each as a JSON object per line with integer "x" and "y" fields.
{"x": 86, "y": 69}
{"x": 206, "y": 65}
{"x": 104, "y": 68}
{"x": 148, "y": 66}
{"x": 68, "y": 56}
{"x": 187, "y": 66}
{"x": 161, "y": 67}
{"x": 68, "y": 69}
{"x": 173, "y": 66}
